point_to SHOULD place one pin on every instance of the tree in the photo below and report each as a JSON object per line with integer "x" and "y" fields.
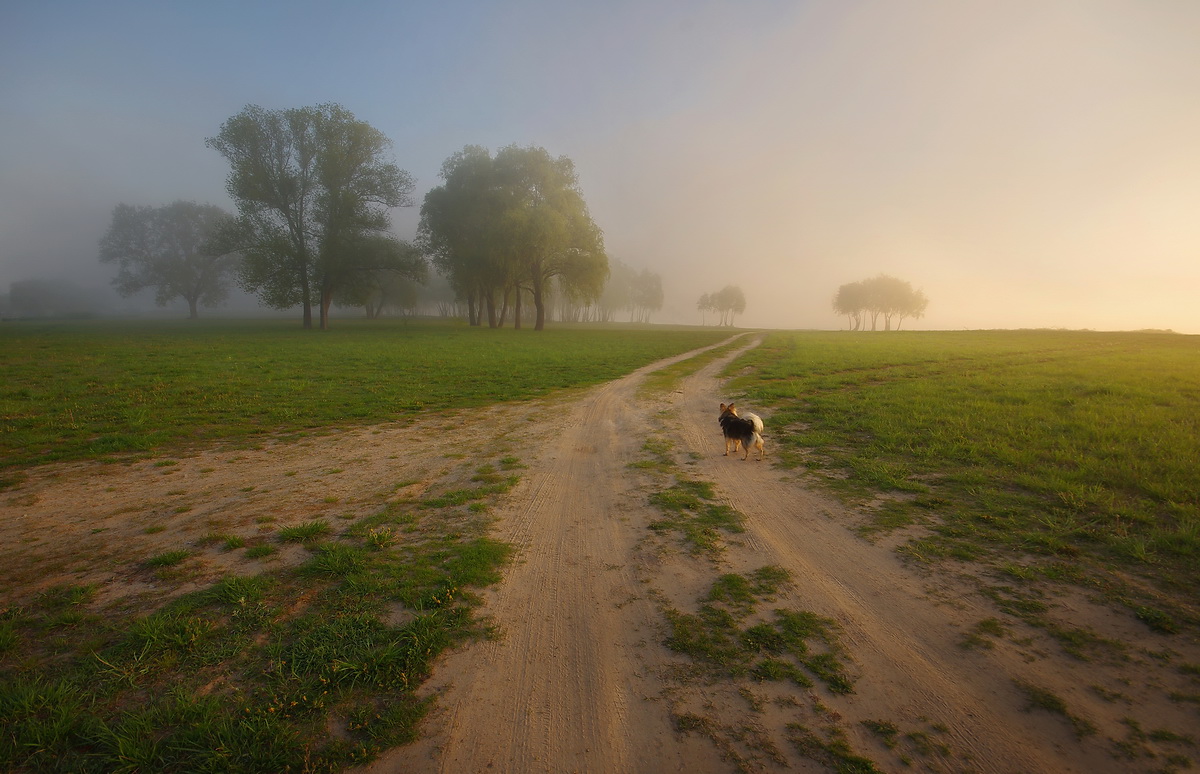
{"x": 172, "y": 250}
{"x": 500, "y": 227}
{"x": 647, "y": 296}
{"x": 388, "y": 274}
{"x": 460, "y": 230}
{"x": 310, "y": 185}
{"x": 885, "y": 296}
{"x": 850, "y": 300}
{"x": 551, "y": 235}
{"x": 729, "y": 301}
{"x": 705, "y": 305}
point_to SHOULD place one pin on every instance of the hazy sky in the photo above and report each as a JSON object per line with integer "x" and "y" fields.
{"x": 1026, "y": 163}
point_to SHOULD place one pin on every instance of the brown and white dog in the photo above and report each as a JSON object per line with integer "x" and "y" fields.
{"x": 741, "y": 431}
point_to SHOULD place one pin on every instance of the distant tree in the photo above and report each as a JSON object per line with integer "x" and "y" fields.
{"x": 388, "y": 275}
{"x": 850, "y": 300}
{"x": 310, "y": 185}
{"x": 618, "y": 291}
{"x": 704, "y": 306}
{"x": 50, "y": 298}
{"x": 729, "y": 301}
{"x": 647, "y": 296}
{"x": 172, "y": 250}
{"x": 882, "y": 296}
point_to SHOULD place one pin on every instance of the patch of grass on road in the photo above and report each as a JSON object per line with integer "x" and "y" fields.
{"x": 693, "y": 512}
{"x": 725, "y": 636}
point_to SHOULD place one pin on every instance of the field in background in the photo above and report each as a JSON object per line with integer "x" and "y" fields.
{"x": 1060, "y": 455}
{"x": 76, "y": 390}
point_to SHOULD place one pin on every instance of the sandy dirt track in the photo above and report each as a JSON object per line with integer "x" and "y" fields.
{"x": 580, "y": 679}
{"x": 582, "y": 682}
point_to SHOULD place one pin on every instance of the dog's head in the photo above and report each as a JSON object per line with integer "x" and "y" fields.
{"x": 729, "y": 410}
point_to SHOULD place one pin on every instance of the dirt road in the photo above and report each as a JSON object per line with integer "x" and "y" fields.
{"x": 581, "y": 680}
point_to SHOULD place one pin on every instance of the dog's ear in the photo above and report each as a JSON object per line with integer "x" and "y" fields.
{"x": 730, "y": 407}
{"x": 722, "y": 406}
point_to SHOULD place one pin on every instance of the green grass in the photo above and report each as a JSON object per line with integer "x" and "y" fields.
{"x": 303, "y": 669}
{"x": 77, "y": 390}
{"x": 1073, "y": 448}
{"x": 692, "y": 511}
{"x": 307, "y": 532}
{"x": 725, "y": 637}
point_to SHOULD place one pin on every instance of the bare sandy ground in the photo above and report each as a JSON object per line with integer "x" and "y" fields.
{"x": 580, "y": 680}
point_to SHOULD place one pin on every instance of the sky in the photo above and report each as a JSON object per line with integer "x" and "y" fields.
{"x": 1024, "y": 163}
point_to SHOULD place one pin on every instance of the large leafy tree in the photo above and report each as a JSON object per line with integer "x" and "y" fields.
{"x": 509, "y": 225}
{"x": 172, "y": 250}
{"x": 550, "y": 232}
{"x": 311, "y": 184}
{"x": 461, "y": 230}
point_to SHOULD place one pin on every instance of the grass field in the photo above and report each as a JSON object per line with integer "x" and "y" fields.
{"x": 80, "y": 390}
{"x": 1054, "y": 454}
{"x": 1047, "y": 456}
{"x": 299, "y": 668}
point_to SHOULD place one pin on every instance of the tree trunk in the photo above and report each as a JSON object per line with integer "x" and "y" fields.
{"x": 326, "y": 300}
{"x": 490, "y": 302}
{"x": 517, "y": 311}
{"x": 193, "y": 311}
{"x": 539, "y": 303}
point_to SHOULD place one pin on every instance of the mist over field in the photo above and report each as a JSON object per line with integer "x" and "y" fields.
{"x": 1024, "y": 164}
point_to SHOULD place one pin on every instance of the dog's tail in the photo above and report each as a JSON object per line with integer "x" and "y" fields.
{"x": 756, "y": 443}
{"x": 754, "y": 419}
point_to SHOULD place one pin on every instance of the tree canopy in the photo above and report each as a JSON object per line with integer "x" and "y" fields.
{"x": 312, "y": 188}
{"x": 884, "y": 295}
{"x": 517, "y": 222}
{"x": 172, "y": 250}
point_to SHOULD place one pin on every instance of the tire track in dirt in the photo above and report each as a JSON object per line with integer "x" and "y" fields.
{"x": 581, "y": 680}
{"x": 571, "y": 685}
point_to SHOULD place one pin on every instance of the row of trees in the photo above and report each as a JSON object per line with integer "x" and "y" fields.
{"x": 314, "y": 188}
{"x": 882, "y": 296}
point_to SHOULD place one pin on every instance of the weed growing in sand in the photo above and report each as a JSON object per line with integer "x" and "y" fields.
{"x": 307, "y": 532}
{"x": 1043, "y": 699}
{"x": 301, "y": 669}
{"x": 260, "y": 551}
{"x": 168, "y": 558}
{"x": 832, "y": 749}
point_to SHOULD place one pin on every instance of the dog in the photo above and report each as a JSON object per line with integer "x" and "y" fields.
{"x": 741, "y": 431}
